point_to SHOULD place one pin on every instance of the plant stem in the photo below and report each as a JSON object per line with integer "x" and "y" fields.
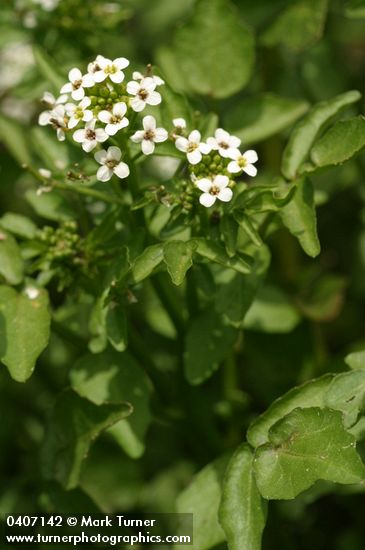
{"x": 170, "y": 304}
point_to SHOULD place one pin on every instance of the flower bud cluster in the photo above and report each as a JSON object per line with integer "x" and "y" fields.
{"x": 62, "y": 243}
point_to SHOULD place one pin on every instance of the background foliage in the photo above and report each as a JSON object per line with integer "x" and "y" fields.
{"x": 204, "y": 355}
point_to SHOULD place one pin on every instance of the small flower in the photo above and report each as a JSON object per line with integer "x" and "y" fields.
{"x": 46, "y": 174}
{"x": 77, "y": 84}
{"x": 32, "y": 292}
{"x": 90, "y": 136}
{"x": 193, "y": 147}
{"x": 144, "y": 92}
{"x": 111, "y": 164}
{"x": 213, "y": 190}
{"x": 51, "y": 102}
{"x": 114, "y": 119}
{"x": 112, "y": 69}
{"x": 243, "y": 162}
{"x": 150, "y": 135}
{"x": 224, "y": 143}
{"x": 179, "y": 123}
{"x": 57, "y": 118}
{"x": 139, "y": 76}
{"x": 94, "y": 66}
{"x": 79, "y": 112}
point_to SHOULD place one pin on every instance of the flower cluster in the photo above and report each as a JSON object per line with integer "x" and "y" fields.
{"x": 214, "y": 164}
{"x": 96, "y": 106}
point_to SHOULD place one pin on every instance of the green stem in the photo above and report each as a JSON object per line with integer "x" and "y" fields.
{"x": 171, "y": 305}
{"x": 88, "y": 192}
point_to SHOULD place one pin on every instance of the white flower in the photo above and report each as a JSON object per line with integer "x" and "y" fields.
{"x": 179, "y": 123}
{"x": 144, "y": 92}
{"x": 90, "y": 136}
{"x": 114, "y": 119}
{"x": 224, "y": 143}
{"x": 45, "y": 173}
{"x": 47, "y": 5}
{"x": 32, "y": 292}
{"x": 139, "y": 76}
{"x": 79, "y": 112}
{"x": 243, "y": 162}
{"x": 112, "y": 69}
{"x": 111, "y": 164}
{"x": 193, "y": 147}
{"x": 213, "y": 190}
{"x": 94, "y": 66}
{"x": 149, "y": 135}
{"x": 51, "y": 102}
{"x": 57, "y": 118}
{"x": 77, "y": 84}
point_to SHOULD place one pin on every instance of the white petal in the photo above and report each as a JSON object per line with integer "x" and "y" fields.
{"x": 205, "y": 148}
{"x": 101, "y": 135}
{"x": 205, "y": 184}
{"x": 99, "y": 76}
{"x": 234, "y": 154}
{"x": 117, "y": 78}
{"x": 250, "y": 169}
{"x": 160, "y": 135}
{"x": 120, "y": 109}
{"x": 62, "y": 99}
{"x": 225, "y": 195}
{"x": 234, "y": 142}
{"x": 179, "y": 122}
{"x": 111, "y": 129}
{"x": 133, "y": 87}
{"x": 137, "y": 75}
{"x": 195, "y": 136}
{"x": 138, "y": 136}
{"x": 105, "y": 116}
{"x": 79, "y": 136}
{"x": 123, "y": 123}
{"x": 148, "y": 146}
{"x": 66, "y": 88}
{"x": 44, "y": 118}
{"x": 233, "y": 167}
{"x": 221, "y": 135}
{"x": 88, "y": 116}
{"x": 87, "y": 81}
{"x": 138, "y": 105}
{"x": 194, "y": 157}
{"x": 78, "y": 94}
{"x": 60, "y": 134}
{"x": 212, "y": 142}
{"x": 121, "y": 62}
{"x": 207, "y": 200}
{"x": 70, "y": 108}
{"x": 149, "y": 123}
{"x": 114, "y": 153}
{"x": 103, "y": 62}
{"x": 89, "y": 145}
{"x": 74, "y": 74}
{"x": 154, "y": 98}
{"x": 251, "y": 156}
{"x": 121, "y": 170}
{"x": 221, "y": 181}
{"x": 148, "y": 84}
{"x": 48, "y": 98}
{"x": 104, "y": 173}
{"x": 101, "y": 156}
{"x": 73, "y": 122}
{"x": 158, "y": 81}
{"x": 223, "y": 152}
{"x": 182, "y": 144}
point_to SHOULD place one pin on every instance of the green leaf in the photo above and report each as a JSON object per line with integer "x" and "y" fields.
{"x": 299, "y": 216}
{"x": 248, "y": 227}
{"x": 356, "y": 360}
{"x": 11, "y": 263}
{"x": 54, "y": 154}
{"x": 202, "y": 498}
{"x": 324, "y": 299}
{"x": 215, "y": 253}
{"x": 178, "y": 256}
{"x": 306, "y": 131}
{"x": 271, "y": 312}
{"x": 144, "y": 264}
{"x": 114, "y": 378}
{"x": 174, "y": 105}
{"x": 339, "y": 143}
{"x": 51, "y": 206}
{"x": 346, "y": 393}
{"x": 24, "y": 330}
{"x": 14, "y": 136}
{"x": 258, "y": 118}
{"x": 116, "y": 326}
{"x": 229, "y": 229}
{"x": 310, "y": 394}
{"x": 212, "y": 45}
{"x": 19, "y": 225}
{"x": 46, "y": 67}
{"x": 298, "y": 26}
{"x": 355, "y": 9}
{"x": 236, "y": 292}
{"x": 209, "y": 341}
{"x": 74, "y": 424}
{"x": 242, "y": 512}
{"x": 305, "y": 446}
